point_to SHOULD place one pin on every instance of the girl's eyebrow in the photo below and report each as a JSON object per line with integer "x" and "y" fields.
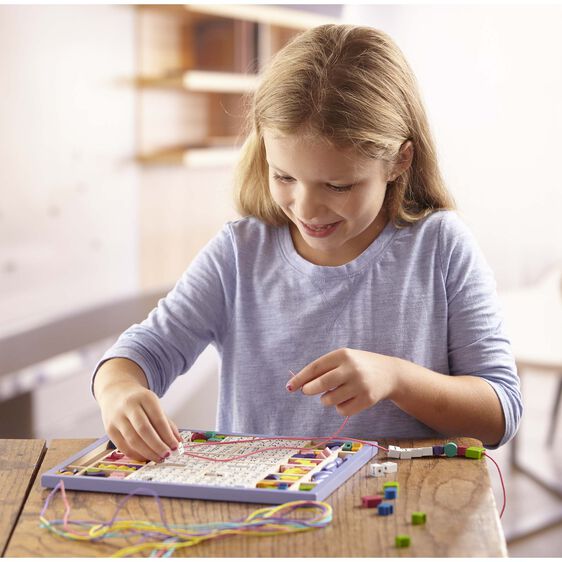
{"x": 274, "y": 166}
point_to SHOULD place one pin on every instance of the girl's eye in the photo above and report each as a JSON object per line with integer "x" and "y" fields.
{"x": 340, "y": 188}
{"x": 337, "y": 188}
{"x": 282, "y": 179}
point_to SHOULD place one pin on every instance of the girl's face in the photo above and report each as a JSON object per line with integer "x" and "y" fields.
{"x": 333, "y": 198}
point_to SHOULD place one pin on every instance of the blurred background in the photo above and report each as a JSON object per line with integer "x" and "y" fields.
{"x": 119, "y": 128}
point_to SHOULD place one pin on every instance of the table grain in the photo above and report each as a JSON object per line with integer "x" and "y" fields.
{"x": 462, "y": 516}
{"x": 19, "y": 461}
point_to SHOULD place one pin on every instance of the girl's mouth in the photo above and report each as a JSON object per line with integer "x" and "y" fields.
{"x": 320, "y": 230}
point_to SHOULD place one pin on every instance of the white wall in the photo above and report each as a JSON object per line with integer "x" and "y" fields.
{"x": 491, "y": 78}
{"x": 68, "y": 204}
{"x": 69, "y": 196}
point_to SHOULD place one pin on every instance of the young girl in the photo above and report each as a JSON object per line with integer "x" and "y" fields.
{"x": 349, "y": 288}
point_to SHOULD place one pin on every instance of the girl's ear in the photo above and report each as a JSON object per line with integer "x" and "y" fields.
{"x": 403, "y": 162}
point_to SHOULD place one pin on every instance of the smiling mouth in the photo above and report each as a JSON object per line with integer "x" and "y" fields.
{"x": 319, "y": 227}
{"x": 320, "y": 230}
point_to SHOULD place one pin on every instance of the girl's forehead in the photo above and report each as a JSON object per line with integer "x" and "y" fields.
{"x": 279, "y": 146}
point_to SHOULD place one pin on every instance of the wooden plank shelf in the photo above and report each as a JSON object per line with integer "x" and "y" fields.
{"x": 271, "y": 15}
{"x": 204, "y": 81}
{"x": 289, "y": 18}
{"x": 213, "y": 152}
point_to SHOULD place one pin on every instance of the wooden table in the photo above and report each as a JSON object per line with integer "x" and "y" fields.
{"x": 455, "y": 493}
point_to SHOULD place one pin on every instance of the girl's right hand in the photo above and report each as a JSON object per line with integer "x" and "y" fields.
{"x": 136, "y": 423}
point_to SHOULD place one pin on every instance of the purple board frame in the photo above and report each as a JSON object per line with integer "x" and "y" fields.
{"x": 320, "y": 492}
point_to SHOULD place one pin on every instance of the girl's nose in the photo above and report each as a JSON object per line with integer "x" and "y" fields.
{"x": 307, "y": 203}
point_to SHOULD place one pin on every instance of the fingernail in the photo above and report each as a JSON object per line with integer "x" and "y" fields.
{"x": 167, "y": 454}
{"x": 289, "y": 387}
{"x": 175, "y": 448}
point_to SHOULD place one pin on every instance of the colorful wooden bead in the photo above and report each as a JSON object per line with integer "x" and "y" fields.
{"x": 385, "y": 508}
{"x": 418, "y": 518}
{"x": 474, "y": 452}
{"x": 402, "y": 541}
{"x": 451, "y": 449}
{"x": 371, "y": 501}
{"x": 390, "y": 493}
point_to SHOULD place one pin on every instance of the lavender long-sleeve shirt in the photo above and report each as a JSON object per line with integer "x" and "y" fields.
{"x": 422, "y": 293}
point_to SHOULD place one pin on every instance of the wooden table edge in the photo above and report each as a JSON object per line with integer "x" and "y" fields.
{"x": 25, "y": 496}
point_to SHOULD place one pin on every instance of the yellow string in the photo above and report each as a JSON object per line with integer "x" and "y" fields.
{"x": 97, "y": 531}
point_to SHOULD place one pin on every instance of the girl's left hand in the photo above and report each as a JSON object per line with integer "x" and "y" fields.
{"x": 349, "y": 379}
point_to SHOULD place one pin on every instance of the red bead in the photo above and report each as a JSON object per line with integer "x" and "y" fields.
{"x": 371, "y": 501}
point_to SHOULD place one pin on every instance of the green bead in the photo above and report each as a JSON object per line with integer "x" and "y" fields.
{"x": 418, "y": 518}
{"x": 391, "y": 485}
{"x": 474, "y": 452}
{"x": 402, "y": 541}
{"x": 347, "y": 446}
{"x": 451, "y": 449}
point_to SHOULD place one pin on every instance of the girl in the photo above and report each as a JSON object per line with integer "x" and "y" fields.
{"x": 349, "y": 269}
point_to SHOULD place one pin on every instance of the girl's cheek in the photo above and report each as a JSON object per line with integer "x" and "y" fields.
{"x": 280, "y": 196}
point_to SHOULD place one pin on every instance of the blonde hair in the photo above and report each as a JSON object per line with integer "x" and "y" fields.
{"x": 351, "y": 86}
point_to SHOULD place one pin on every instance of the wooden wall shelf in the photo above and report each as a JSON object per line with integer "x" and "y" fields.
{"x": 270, "y": 15}
{"x": 204, "y": 155}
{"x": 212, "y": 51}
{"x": 204, "y": 81}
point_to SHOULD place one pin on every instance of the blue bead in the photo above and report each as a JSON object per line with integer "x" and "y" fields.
{"x": 385, "y": 508}
{"x": 390, "y": 493}
{"x": 438, "y": 450}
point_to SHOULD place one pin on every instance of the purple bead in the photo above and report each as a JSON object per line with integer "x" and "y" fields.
{"x": 438, "y": 450}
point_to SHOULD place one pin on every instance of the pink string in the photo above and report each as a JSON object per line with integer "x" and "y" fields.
{"x": 502, "y": 483}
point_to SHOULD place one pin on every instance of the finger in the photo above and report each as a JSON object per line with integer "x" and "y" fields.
{"x": 338, "y": 395}
{"x": 120, "y": 441}
{"x": 315, "y": 369}
{"x": 136, "y": 440}
{"x": 160, "y": 423}
{"x": 324, "y": 383}
{"x": 176, "y": 433}
{"x": 142, "y": 425}
{"x": 351, "y": 407}
{"x": 117, "y": 439}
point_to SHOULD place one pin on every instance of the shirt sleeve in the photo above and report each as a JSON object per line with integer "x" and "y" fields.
{"x": 195, "y": 313}
{"x": 477, "y": 342}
